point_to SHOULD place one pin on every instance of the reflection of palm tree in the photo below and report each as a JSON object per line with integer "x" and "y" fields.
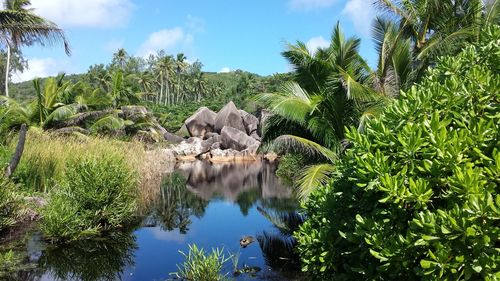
{"x": 177, "y": 204}
{"x": 278, "y": 247}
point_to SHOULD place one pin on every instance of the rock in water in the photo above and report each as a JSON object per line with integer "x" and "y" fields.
{"x": 236, "y": 139}
{"x": 229, "y": 116}
{"x": 245, "y": 241}
{"x": 251, "y": 122}
{"x": 201, "y": 122}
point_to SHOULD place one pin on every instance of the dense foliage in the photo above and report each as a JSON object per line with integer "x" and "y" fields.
{"x": 416, "y": 196}
{"x": 98, "y": 194}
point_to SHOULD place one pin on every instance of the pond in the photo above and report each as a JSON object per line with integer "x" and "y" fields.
{"x": 211, "y": 205}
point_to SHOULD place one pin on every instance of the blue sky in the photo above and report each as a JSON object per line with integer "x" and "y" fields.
{"x": 223, "y": 34}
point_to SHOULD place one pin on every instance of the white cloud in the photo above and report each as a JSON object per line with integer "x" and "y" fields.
{"x": 86, "y": 13}
{"x": 317, "y": 42}
{"x": 41, "y": 67}
{"x": 225, "y": 69}
{"x": 113, "y": 45}
{"x": 166, "y": 39}
{"x": 306, "y": 5}
{"x": 361, "y": 14}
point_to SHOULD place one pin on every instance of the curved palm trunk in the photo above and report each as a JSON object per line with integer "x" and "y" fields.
{"x": 7, "y": 69}
{"x": 18, "y": 152}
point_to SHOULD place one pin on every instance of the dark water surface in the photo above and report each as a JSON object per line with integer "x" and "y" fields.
{"x": 212, "y": 205}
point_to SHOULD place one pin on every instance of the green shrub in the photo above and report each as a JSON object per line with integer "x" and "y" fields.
{"x": 289, "y": 165}
{"x": 9, "y": 204}
{"x": 98, "y": 194}
{"x": 417, "y": 194}
{"x": 200, "y": 266}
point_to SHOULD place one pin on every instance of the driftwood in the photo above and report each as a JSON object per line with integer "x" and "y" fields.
{"x": 18, "y": 153}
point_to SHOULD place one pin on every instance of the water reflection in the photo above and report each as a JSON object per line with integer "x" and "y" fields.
{"x": 232, "y": 181}
{"x": 211, "y": 205}
{"x": 92, "y": 260}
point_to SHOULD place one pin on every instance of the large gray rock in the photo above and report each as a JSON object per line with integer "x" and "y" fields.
{"x": 171, "y": 138}
{"x": 236, "y": 139}
{"x": 251, "y": 122}
{"x": 229, "y": 116}
{"x": 201, "y": 122}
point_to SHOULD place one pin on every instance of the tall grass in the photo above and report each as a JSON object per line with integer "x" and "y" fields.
{"x": 46, "y": 157}
{"x": 9, "y": 205}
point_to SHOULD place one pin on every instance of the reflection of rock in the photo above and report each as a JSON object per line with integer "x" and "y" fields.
{"x": 207, "y": 179}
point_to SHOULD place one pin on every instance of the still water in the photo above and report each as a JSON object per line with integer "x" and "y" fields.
{"x": 212, "y": 205}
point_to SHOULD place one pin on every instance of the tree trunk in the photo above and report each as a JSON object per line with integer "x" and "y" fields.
{"x": 18, "y": 153}
{"x": 161, "y": 89}
{"x": 7, "y": 69}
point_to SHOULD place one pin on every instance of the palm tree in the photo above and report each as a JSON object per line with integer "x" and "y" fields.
{"x": 395, "y": 59}
{"x": 19, "y": 25}
{"x": 165, "y": 69}
{"x": 180, "y": 64}
{"x": 331, "y": 91}
{"x": 120, "y": 58}
{"x": 439, "y": 27}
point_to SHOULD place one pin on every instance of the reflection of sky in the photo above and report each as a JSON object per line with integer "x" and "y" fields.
{"x": 223, "y": 225}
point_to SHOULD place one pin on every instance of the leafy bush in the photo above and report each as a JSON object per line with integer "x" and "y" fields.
{"x": 98, "y": 194}
{"x": 289, "y": 166}
{"x": 9, "y": 204}
{"x": 200, "y": 266}
{"x": 416, "y": 197}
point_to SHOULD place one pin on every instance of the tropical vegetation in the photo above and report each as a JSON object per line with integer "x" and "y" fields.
{"x": 415, "y": 197}
{"x": 334, "y": 88}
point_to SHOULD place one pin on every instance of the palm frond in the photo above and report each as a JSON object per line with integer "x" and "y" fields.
{"x": 293, "y": 102}
{"x": 108, "y": 124}
{"x": 311, "y": 148}
{"x": 313, "y": 177}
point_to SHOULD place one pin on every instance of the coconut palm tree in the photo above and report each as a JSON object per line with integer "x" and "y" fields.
{"x": 165, "y": 68}
{"x": 180, "y": 63}
{"x": 440, "y": 27}
{"x": 19, "y": 25}
{"x": 331, "y": 91}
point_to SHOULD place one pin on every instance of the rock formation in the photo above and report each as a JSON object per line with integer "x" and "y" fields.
{"x": 231, "y": 135}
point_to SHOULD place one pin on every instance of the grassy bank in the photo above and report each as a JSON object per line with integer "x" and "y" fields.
{"x": 91, "y": 185}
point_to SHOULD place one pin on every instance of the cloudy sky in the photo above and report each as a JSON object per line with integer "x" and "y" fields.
{"x": 223, "y": 34}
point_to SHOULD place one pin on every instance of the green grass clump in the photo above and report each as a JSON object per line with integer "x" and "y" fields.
{"x": 9, "y": 205}
{"x": 97, "y": 194}
{"x": 201, "y": 266}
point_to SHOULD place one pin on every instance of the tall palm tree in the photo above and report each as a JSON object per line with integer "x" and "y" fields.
{"x": 19, "y": 25}
{"x": 120, "y": 58}
{"x": 165, "y": 68}
{"x": 180, "y": 65}
{"x": 331, "y": 91}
